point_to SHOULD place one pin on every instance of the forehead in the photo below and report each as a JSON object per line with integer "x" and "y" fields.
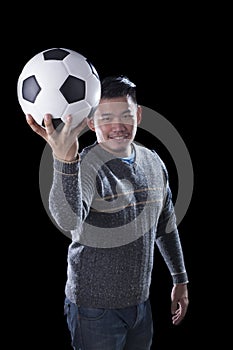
{"x": 116, "y": 105}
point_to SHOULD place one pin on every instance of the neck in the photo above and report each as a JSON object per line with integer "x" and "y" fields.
{"x": 121, "y": 153}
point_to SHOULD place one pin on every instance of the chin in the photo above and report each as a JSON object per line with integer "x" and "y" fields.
{"x": 118, "y": 147}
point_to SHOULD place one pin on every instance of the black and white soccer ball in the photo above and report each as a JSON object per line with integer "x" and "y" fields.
{"x": 60, "y": 82}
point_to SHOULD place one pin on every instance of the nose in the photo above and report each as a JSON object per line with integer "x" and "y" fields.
{"x": 117, "y": 125}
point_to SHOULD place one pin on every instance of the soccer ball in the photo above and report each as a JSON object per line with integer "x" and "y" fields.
{"x": 60, "y": 82}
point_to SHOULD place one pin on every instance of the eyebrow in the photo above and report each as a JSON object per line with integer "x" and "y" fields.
{"x": 108, "y": 114}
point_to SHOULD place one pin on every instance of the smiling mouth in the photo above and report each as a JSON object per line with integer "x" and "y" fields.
{"x": 119, "y": 138}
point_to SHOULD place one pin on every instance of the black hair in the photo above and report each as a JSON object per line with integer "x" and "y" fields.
{"x": 118, "y": 86}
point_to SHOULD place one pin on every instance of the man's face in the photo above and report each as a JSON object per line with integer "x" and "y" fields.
{"x": 115, "y": 124}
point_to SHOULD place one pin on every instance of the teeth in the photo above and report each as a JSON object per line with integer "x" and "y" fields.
{"x": 119, "y": 137}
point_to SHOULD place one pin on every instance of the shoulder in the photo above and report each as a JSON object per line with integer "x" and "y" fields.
{"x": 143, "y": 151}
{"x": 87, "y": 149}
{"x": 150, "y": 155}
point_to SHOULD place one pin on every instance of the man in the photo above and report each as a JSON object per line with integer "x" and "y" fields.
{"x": 114, "y": 198}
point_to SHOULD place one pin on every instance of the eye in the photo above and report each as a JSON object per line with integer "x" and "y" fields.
{"x": 105, "y": 119}
{"x": 127, "y": 118}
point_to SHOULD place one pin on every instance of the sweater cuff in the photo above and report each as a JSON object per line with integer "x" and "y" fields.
{"x": 66, "y": 168}
{"x": 180, "y": 278}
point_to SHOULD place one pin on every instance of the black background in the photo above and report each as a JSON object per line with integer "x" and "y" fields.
{"x": 166, "y": 60}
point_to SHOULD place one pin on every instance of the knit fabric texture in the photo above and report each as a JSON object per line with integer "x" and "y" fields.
{"x": 116, "y": 212}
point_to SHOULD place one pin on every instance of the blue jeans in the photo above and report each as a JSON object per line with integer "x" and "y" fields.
{"x": 130, "y": 328}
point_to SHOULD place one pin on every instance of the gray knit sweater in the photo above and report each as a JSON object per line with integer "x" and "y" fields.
{"x": 116, "y": 213}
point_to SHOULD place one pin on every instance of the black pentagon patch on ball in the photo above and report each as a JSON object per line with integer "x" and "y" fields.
{"x": 30, "y": 89}
{"x": 73, "y": 89}
{"x": 55, "y": 54}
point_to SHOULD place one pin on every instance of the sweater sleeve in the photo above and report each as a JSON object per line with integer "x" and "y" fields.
{"x": 69, "y": 201}
{"x": 168, "y": 241}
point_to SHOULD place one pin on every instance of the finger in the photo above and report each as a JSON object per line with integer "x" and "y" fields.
{"x": 176, "y": 319}
{"x": 68, "y": 124}
{"x": 48, "y": 124}
{"x": 80, "y": 127}
{"x": 35, "y": 126}
{"x": 179, "y": 313}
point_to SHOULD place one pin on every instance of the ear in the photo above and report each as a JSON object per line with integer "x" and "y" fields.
{"x": 90, "y": 124}
{"x": 139, "y": 114}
